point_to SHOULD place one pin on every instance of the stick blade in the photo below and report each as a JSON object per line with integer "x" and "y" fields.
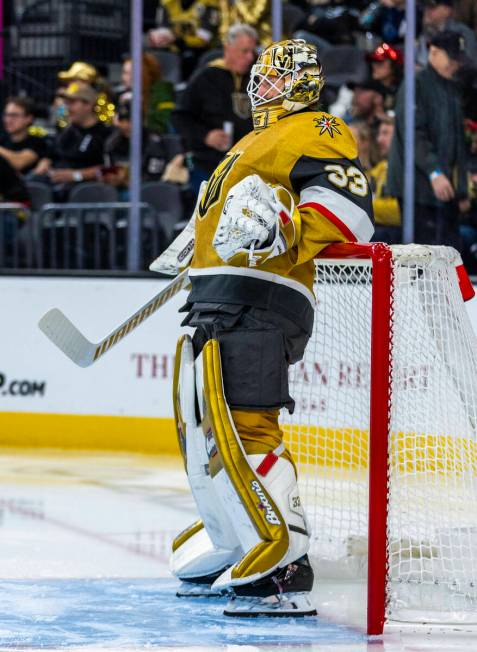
{"x": 59, "y": 330}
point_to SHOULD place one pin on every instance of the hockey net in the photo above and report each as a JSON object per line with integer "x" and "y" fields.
{"x": 384, "y": 431}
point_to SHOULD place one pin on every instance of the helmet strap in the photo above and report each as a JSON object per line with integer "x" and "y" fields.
{"x": 291, "y": 107}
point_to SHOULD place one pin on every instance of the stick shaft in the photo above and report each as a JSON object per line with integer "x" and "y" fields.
{"x": 180, "y": 282}
{"x": 69, "y": 339}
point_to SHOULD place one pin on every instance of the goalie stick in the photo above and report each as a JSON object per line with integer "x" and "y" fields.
{"x": 178, "y": 254}
{"x": 64, "y": 334}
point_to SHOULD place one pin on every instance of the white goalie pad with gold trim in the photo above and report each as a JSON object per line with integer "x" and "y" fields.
{"x": 258, "y": 221}
{"x": 210, "y": 544}
{"x": 265, "y": 508}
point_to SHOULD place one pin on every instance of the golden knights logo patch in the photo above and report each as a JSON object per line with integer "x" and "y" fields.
{"x": 327, "y": 123}
{"x": 215, "y": 183}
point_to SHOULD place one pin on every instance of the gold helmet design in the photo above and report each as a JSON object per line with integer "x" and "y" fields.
{"x": 287, "y": 77}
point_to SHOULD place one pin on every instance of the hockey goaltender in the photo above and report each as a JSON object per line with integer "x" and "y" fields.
{"x": 279, "y": 196}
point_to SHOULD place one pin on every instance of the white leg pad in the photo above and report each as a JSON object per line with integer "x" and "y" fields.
{"x": 219, "y": 546}
{"x": 281, "y": 484}
{"x": 198, "y": 556}
{"x": 258, "y": 491}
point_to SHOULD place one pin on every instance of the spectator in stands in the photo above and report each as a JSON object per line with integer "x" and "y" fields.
{"x": 439, "y": 16}
{"x": 255, "y": 13}
{"x": 214, "y": 111}
{"x": 386, "y": 208}
{"x": 440, "y": 157}
{"x": 12, "y": 186}
{"x": 84, "y": 72}
{"x": 189, "y": 27}
{"x": 467, "y": 77}
{"x": 368, "y": 151}
{"x": 368, "y": 102}
{"x": 116, "y": 169}
{"x": 467, "y": 80}
{"x": 21, "y": 149}
{"x": 387, "y": 69}
{"x": 78, "y": 151}
{"x": 326, "y": 24}
{"x": 465, "y": 11}
{"x": 157, "y": 94}
{"x": 386, "y": 19}
{"x": 12, "y": 190}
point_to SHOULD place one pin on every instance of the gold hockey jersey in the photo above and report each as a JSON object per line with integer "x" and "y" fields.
{"x": 314, "y": 156}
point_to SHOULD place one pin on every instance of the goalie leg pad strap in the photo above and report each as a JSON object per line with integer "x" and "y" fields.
{"x": 195, "y": 551}
{"x": 257, "y": 518}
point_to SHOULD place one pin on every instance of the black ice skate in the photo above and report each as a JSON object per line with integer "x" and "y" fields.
{"x": 286, "y": 592}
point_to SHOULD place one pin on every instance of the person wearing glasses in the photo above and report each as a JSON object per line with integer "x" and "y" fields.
{"x": 18, "y": 146}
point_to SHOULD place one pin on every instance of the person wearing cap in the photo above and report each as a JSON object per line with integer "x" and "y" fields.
{"x": 85, "y": 72}
{"x": 79, "y": 71}
{"x": 79, "y": 148}
{"x": 438, "y": 16}
{"x": 440, "y": 157}
{"x": 367, "y": 104}
{"x": 387, "y": 69}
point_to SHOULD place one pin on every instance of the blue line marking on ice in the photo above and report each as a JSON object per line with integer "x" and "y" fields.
{"x": 113, "y": 612}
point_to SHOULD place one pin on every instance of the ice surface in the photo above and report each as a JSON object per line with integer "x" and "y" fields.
{"x": 84, "y": 566}
{"x": 59, "y": 613}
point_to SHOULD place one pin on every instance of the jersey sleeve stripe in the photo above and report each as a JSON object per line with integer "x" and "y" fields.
{"x": 284, "y": 217}
{"x": 351, "y": 219}
{"x": 332, "y": 217}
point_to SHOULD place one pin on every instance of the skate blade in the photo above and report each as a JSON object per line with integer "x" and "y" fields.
{"x": 187, "y": 590}
{"x": 270, "y": 614}
{"x": 295, "y": 605}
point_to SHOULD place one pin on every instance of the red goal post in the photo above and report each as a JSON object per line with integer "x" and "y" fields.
{"x": 371, "y": 419}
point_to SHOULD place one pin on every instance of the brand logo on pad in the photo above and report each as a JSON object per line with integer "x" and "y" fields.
{"x": 270, "y": 515}
{"x": 210, "y": 446}
{"x": 186, "y": 251}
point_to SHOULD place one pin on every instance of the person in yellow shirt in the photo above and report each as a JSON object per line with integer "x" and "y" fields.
{"x": 386, "y": 208}
{"x": 188, "y": 27}
{"x": 282, "y": 194}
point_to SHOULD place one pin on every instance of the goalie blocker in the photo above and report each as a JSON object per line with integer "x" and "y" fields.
{"x": 252, "y": 539}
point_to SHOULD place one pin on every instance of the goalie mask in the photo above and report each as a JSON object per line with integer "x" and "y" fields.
{"x": 287, "y": 77}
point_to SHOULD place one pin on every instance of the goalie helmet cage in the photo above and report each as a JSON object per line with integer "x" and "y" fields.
{"x": 384, "y": 430}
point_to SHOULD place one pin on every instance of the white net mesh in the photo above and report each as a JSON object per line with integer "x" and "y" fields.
{"x": 432, "y": 521}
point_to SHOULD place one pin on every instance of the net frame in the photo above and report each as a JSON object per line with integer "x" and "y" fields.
{"x": 380, "y": 256}
{"x": 381, "y": 259}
